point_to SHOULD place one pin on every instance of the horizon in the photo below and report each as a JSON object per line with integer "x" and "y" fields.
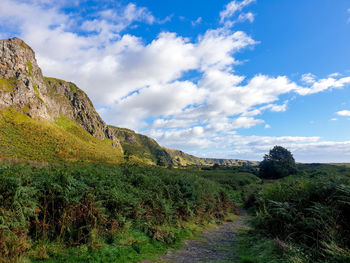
{"x": 228, "y": 81}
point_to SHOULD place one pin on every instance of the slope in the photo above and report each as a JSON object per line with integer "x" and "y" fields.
{"x": 22, "y": 137}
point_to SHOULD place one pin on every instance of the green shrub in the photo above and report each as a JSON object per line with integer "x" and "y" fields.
{"x": 278, "y": 163}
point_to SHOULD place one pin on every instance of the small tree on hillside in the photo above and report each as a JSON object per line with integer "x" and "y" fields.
{"x": 277, "y": 164}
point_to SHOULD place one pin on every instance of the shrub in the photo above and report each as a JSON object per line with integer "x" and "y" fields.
{"x": 277, "y": 164}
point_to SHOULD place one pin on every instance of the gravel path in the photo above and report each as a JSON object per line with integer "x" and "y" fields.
{"x": 215, "y": 245}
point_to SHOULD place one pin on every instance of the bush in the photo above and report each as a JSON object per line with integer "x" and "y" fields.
{"x": 277, "y": 164}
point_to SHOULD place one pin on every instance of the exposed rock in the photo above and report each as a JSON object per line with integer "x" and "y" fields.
{"x": 67, "y": 99}
{"x": 23, "y": 87}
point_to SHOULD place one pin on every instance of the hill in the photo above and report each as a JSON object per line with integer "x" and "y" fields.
{"x": 47, "y": 119}
{"x": 52, "y": 120}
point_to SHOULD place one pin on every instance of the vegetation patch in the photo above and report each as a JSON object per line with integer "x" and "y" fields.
{"x": 30, "y": 68}
{"x": 73, "y": 87}
{"x": 25, "y": 46}
{"x": 8, "y": 85}
{"x": 37, "y": 93}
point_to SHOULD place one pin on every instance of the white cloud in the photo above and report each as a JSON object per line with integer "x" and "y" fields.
{"x": 334, "y": 75}
{"x": 324, "y": 84}
{"x": 345, "y": 113}
{"x": 245, "y": 122}
{"x": 197, "y": 21}
{"x": 246, "y": 16}
{"x": 232, "y": 8}
{"x": 275, "y": 107}
{"x": 267, "y": 126}
{"x": 154, "y": 101}
{"x": 308, "y": 78}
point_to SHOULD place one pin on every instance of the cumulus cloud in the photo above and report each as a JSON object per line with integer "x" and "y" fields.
{"x": 345, "y": 113}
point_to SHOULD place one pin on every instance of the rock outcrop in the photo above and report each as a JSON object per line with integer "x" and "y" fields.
{"x": 23, "y": 87}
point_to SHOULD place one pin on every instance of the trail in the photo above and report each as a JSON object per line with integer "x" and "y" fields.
{"x": 215, "y": 245}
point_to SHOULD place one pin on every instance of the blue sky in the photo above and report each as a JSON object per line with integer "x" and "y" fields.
{"x": 226, "y": 79}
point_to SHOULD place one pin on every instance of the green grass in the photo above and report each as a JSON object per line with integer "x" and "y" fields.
{"x": 73, "y": 87}
{"x": 30, "y": 68}
{"x": 64, "y": 141}
{"x": 252, "y": 248}
{"x": 8, "y": 85}
{"x": 25, "y": 46}
{"x": 37, "y": 94}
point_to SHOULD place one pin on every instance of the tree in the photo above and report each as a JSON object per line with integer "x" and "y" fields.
{"x": 277, "y": 164}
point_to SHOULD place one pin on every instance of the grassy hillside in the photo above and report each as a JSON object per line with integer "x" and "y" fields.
{"x": 183, "y": 159}
{"x": 141, "y": 149}
{"x": 144, "y": 150}
{"x": 22, "y": 137}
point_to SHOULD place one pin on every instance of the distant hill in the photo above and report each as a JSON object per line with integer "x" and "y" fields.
{"x": 52, "y": 120}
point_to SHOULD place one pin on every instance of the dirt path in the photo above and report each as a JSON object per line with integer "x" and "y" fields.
{"x": 215, "y": 245}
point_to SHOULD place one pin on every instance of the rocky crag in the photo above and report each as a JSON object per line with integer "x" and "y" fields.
{"x": 23, "y": 87}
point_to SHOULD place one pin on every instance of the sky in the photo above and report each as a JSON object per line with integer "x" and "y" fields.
{"x": 224, "y": 79}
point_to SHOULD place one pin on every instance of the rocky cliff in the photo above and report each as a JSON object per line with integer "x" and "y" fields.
{"x": 23, "y": 87}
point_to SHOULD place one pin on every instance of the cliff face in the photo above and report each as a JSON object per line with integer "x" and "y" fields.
{"x": 21, "y": 82}
{"x": 23, "y": 88}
